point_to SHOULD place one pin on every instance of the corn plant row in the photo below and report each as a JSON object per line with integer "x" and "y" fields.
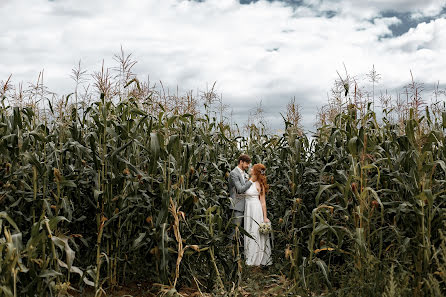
{"x": 111, "y": 193}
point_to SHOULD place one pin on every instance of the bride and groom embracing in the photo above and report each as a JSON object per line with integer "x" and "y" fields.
{"x": 249, "y": 208}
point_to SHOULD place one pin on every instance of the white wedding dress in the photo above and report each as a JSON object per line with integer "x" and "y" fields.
{"x": 258, "y": 248}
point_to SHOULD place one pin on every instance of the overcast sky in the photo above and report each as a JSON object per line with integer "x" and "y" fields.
{"x": 254, "y": 50}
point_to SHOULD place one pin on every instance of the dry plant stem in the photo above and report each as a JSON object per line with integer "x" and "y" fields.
{"x": 197, "y": 283}
{"x": 176, "y": 230}
{"x": 239, "y": 258}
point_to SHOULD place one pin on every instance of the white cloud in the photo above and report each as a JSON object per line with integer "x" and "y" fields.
{"x": 373, "y": 8}
{"x": 264, "y": 50}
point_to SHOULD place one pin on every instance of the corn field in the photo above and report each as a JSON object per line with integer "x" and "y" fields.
{"x": 96, "y": 196}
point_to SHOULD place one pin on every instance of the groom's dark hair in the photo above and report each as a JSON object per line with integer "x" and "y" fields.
{"x": 244, "y": 158}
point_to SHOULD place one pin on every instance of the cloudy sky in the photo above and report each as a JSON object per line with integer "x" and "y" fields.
{"x": 256, "y": 50}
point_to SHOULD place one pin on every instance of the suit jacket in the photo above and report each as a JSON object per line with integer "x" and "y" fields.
{"x": 237, "y": 186}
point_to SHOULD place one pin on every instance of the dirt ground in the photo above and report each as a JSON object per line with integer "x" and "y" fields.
{"x": 256, "y": 283}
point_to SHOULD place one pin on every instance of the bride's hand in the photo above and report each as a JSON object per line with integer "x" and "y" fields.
{"x": 266, "y": 220}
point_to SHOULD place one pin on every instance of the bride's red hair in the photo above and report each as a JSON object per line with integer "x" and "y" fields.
{"x": 259, "y": 171}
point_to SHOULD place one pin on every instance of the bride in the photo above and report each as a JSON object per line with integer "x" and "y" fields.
{"x": 257, "y": 248}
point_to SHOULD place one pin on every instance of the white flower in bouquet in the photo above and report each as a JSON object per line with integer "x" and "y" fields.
{"x": 265, "y": 228}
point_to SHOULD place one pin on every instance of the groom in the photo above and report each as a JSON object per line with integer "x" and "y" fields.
{"x": 238, "y": 184}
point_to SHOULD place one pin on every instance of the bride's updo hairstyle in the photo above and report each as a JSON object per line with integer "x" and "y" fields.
{"x": 259, "y": 171}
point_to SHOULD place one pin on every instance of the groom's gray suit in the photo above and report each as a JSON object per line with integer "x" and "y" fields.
{"x": 238, "y": 184}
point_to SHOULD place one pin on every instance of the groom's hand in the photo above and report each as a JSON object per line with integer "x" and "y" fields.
{"x": 239, "y": 187}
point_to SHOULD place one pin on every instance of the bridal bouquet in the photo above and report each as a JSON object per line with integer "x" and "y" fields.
{"x": 265, "y": 228}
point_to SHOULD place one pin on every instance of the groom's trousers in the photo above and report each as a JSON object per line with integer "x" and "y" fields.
{"x": 237, "y": 219}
